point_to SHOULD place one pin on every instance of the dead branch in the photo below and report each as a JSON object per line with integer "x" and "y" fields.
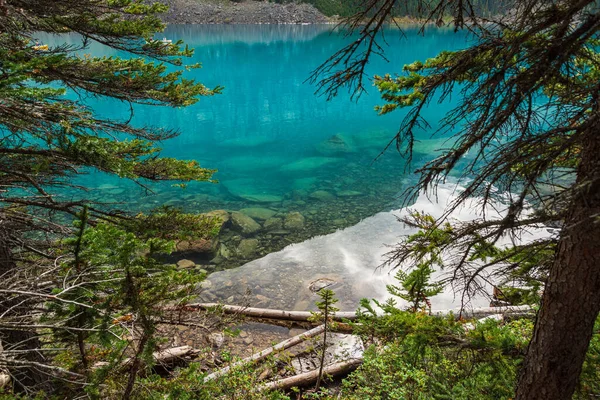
{"x": 265, "y": 353}
{"x": 303, "y": 316}
{"x": 268, "y": 313}
{"x": 163, "y": 357}
{"x": 310, "y": 377}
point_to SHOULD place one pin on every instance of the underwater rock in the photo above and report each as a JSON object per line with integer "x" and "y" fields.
{"x": 339, "y": 222}
{"x": 294, "y": 221}
{"x": 348, "y": 193}
{"x": 321, "y": 283}
{"x": 263, "y": 198}
{"x": 304, "y": 183}
{"x": 280, "y": 232}
{"x": 309, "y": 164}
{"x": 251, "y": 190}
{"x": 273, "y": 224}
{"x": 321, "y": 195}
{"x": 258, "y": 213}
{"x": 185, "y": 264}
{"x": 224, "y": 252}
{"x": 247, "y": 248}
{"x": 431, "y": 147}
{"x": 244, "y": 224}
{"x": 336, "y": 144}
{"x": 298, "y": 194}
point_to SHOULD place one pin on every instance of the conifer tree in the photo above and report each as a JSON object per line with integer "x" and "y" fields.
{"x": 48, "y": 137}
{"x": 530, "y": 114}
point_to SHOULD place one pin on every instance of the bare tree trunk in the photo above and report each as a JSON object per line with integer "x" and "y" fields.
{"x": 571, "y": 300}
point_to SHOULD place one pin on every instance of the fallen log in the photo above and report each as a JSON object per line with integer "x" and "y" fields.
{"x": 309, "y": 377}
{"x": 265, "y": 353}
{"x": 486, "y": 312}
{"x": 167, "y": 356}
{"x": 268, "y": 313}
{"x": 173, "y": 354}
{"x": 303, "y": 316}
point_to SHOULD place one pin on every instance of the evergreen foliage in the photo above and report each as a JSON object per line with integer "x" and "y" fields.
{"x": 99, "y": 293}
{"x": 326, "y": 311}
{"x": 528, "y": 119}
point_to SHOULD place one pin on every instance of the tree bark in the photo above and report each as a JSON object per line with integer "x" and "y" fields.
{"x": 571, "y": 300}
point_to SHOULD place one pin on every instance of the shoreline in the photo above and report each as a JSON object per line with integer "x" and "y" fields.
{"x": 247, "y": 12}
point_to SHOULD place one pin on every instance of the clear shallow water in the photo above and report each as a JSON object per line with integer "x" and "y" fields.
{"x": 267, "y": 134}
{"x": 349, "y": 260}
{"x": 276, "y": 145}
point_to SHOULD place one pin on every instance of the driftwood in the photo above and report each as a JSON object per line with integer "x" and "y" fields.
{"x": 167, "y": 356}
{"x": 310, "y": 377}
{"x": 268, "y": 313}
{"x": 337, "y": 368}
{"x": 487, "y": 311}
{"x": 173, "y": 354}
{"x": 265, "y": 353}
{"x": 303, "y": 316}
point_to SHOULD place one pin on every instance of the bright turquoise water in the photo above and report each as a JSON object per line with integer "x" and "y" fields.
{"x": 270, "y": 136}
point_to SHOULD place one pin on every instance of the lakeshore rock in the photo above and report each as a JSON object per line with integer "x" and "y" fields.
{"x": 244, "y": 224}
{"x": 335, "y": 145}
{"x": 273, "y": 224}
{"x": 348, "y": 193}
{"x": 258, "y": 213}
{"x": 321, "y": 195}
{"x": 294, "y": 221}
{"x": 198, "y": 245}
{"x": 309, "y": 164}
{"x": 247, "y": 248}
{"x": 224, "y": 252}
{"x": 185, "y": 264}
{"x": 251, "y": 190}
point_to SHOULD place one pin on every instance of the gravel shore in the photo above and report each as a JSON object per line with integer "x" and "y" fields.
{"x": 247, "y": 12}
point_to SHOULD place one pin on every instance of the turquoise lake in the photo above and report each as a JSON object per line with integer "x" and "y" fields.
{"x": 276, "y": 144}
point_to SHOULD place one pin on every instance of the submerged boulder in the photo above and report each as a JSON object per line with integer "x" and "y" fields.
{"x": 336, "y": 144}
{"x": 185, "y": 264}
{"x": 321, "y": 195}
{"x": 309, "y": 164}
{"x": 348, "y": 193}
{"x": 244, "y": 224}
{"x": 247, "y": 248}
{"x": 294, "y": 221}
{"x": 258, "y": 213}
{"x": 273, "y": 224}
{"x": 252, "y": 190}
